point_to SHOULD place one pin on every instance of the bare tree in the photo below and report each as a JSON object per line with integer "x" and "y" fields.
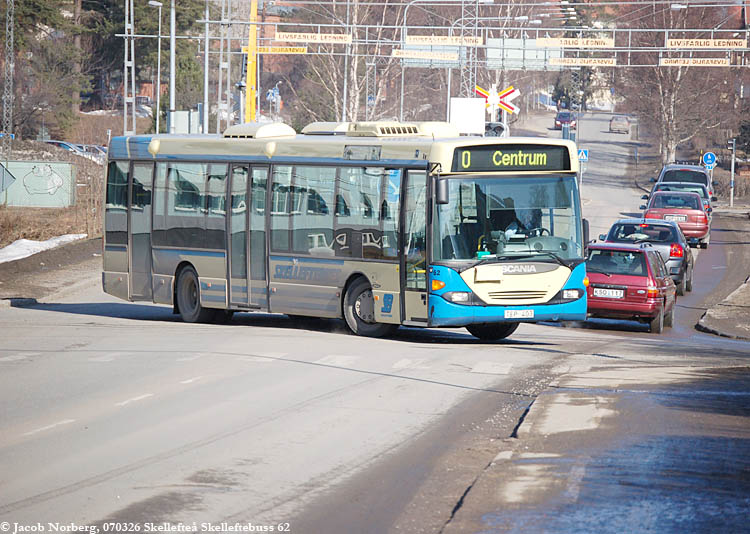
{"x": 678, "y": 102}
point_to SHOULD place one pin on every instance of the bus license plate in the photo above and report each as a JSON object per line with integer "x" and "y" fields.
{"x": 610, "y": 293}
{"x": 677, "y": 218}
{"x": 519, "y": 314}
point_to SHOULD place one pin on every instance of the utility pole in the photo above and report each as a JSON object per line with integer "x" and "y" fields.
{"x": 733, "y": 144}
{"x": 9, "y": 72}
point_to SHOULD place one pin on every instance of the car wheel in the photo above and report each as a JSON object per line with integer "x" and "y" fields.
{"x": 682, "y": 285}
{"x": 359, "y": 311}
{"x": 669, "y": 317}
{"x": 704, "y": 243}
{"x": 689, "y": 283}
{"x": 492, "y": 331}
{"x": 189, "y": 298}
{"x": 656, "y": 325}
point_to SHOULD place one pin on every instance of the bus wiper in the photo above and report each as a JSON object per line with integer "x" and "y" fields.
{"x": 549, "y": 253}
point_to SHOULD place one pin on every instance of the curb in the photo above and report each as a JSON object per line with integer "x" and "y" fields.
{"x": 708, "y": 330}
{"x": 17, "y": 302}
{"x": 701, "y": 326}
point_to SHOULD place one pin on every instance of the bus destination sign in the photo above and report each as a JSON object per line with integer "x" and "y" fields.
{"x": 511, "y": 158}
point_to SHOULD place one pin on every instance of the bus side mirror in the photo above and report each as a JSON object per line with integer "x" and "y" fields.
{"x": 644, "y": 197}
{"x": 441, "y": 193}
{"x": 586, "y": 235}
{"x": 652, "y": 180}
{"x": 642, "y": 207}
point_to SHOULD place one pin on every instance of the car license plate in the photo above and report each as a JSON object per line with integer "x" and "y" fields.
{"x": 519, "y": 314}
{"x": 609, "y": 293}
{"x": 678, "y": 218}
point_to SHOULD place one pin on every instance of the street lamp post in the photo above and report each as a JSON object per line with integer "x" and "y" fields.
{"x": 172, "y": 68}
{"x": 154, "y": 3}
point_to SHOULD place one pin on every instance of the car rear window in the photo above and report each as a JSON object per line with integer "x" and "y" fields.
{"x": 617, "y": 262}
{"x": 637, "y": 233}
{"x": 684, "y": 187}
{"x": 689, "y": 202}
{"x": 563, "y": 115}
{"x": 684, "y": 175}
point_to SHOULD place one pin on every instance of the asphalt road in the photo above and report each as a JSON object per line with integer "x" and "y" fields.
{"x": 118, "y": 415}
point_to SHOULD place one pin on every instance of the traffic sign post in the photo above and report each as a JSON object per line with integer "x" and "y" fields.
{"x": 583, "y": 158}
{"x": 6, "y": 178}
{"x": 502, "y": 100}
{"x": 709, "y": 158}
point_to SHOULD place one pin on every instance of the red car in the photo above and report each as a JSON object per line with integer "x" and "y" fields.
{"x": 684, "y": 208}
{"x": 630, "y": 282}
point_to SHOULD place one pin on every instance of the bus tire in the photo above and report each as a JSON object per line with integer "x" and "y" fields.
{"x": 189, "y": 298}
{"x": 359, "y": 311}
{"x": 492, "y": 331}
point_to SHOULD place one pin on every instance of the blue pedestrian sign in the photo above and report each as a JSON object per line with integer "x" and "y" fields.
{"x": 709, "y": 158}
{"x": 583, "y": 154}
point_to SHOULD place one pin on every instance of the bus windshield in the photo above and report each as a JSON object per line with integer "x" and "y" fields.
{"x": 504, "y": 217}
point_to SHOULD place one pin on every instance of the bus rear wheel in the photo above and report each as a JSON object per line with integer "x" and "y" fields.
{"x": 189, "y": 298}
{"x": 359, "y": 311}
{"x": 492, "y": 331}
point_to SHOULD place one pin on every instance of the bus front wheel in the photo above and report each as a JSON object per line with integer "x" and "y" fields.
{"x": 189, "y": 298}
{"x": 359, "y": 311}
{"x": 492, "y": 331}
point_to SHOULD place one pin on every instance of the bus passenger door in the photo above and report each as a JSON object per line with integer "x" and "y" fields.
{"x": 247, "y": 236}
{"x": 414, "y": 260}
{"x": 139, "y": 230}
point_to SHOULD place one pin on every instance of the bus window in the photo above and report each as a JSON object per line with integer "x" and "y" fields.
{"x": 116, "y": 227}
{"x": 312, "y": 222}
{"x": 216, "y": 206}
{"x": 415, "y": 232}
{"x": 186, "y": 205}
{"x": 280, "y": 212}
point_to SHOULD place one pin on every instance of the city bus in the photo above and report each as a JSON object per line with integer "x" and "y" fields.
{"x": 378, "y": 223}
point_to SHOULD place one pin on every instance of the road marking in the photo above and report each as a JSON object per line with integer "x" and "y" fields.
{"x": 191, "y": 380}
{"x": 254, "y": 359}
{"x": 134, "y": 399}
{"x": 190, "y": 358}
{"x": 492, "y": 368}
{"x": 337, "y": 361}
{"x": 20, "y": 356}
{"x": 411, "y": 364}
{"x": 109, "y": 357}
{"x": 49, "y": 427}
{"x": 719, "y": 267}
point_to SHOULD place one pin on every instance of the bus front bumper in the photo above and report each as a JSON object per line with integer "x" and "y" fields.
{"x": 444, "y": 313}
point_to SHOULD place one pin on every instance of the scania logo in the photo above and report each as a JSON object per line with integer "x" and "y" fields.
{"x": 518, "y": 268}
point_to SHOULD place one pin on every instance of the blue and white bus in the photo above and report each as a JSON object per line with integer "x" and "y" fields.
{"x": 381, "y": 224}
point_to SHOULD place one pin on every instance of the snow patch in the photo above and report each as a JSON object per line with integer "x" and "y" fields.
{"x": 23, "y": 248}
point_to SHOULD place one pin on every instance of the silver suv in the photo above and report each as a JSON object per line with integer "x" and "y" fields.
{"x": 666, "y": 237}
{"x": 677, "y": 172}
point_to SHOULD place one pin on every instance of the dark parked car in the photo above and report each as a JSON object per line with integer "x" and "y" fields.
{"x": 677, "y": 172}
{"x": 565, "y": 117}
{"x": 666, "y": 238}
{"x": 630, "y": 282}
{"x": 686, "y": 209}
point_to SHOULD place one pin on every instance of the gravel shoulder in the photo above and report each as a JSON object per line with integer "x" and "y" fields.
{"x": 50, "y": 271}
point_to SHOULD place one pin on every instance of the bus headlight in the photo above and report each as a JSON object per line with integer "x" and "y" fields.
{"x": 460, "y": 297}
{"x": 567, "y": 295}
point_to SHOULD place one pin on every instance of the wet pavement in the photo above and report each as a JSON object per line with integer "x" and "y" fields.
{"x": 623, "y": 450}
